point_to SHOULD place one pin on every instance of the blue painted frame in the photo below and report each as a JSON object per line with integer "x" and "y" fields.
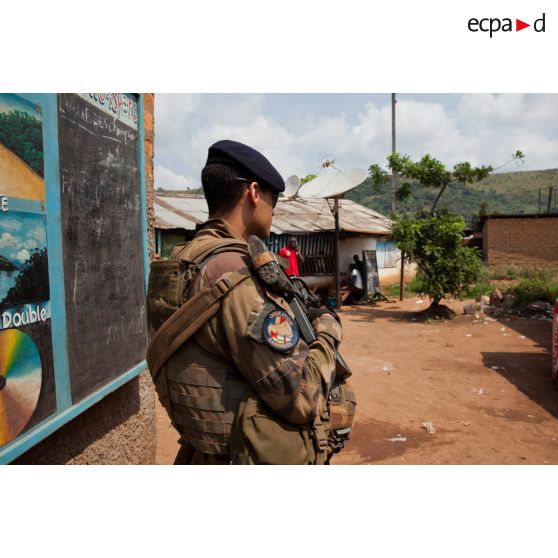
{"x": 65, "y": 411}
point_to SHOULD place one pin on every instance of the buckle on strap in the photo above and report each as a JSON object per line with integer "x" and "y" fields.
{"x": 224, "y": 284}
{"x": 320, "y": 436}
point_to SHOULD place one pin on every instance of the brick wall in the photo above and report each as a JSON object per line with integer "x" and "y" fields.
{"x": 149, "y": 121}
{"x": 529, "y": 241}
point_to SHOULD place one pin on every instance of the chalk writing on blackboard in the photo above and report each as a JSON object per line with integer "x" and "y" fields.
{"x": 102, "y": 243}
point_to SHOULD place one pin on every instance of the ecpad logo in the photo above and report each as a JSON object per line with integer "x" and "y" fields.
{"x": 494, "y": 24}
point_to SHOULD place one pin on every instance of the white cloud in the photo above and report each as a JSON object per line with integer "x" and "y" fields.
{"x": 37, "y": 234}
{"x": 8, "y": 241}
{"x": 10, "y": 224}
{"x": 484, "y": 129}
{"x": 169, "y": 180}
{"x": 23, "y": 255}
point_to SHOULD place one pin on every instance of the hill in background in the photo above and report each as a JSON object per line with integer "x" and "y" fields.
{"x": 503, "y": 193}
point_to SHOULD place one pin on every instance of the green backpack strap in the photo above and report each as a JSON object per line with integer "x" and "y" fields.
{"x": 188, "y": 319}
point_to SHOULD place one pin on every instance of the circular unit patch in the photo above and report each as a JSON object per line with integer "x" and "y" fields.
{"x": 280, "y": 330}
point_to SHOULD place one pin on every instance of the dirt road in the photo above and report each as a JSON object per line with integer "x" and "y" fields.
{"x": 484, "y": 385}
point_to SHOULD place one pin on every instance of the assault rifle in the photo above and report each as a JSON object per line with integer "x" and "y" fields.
{"x": 299, "y": 297}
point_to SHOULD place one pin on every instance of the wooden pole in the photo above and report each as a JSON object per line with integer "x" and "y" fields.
{"x": 549, "y": 200}
{"x": 393, "y": 189}
{"x": 402, "y": 275}
{"x": 337, "y": 277}
{"x": 393, "y": 177}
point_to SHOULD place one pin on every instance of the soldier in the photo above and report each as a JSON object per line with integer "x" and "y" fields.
{"x": 245, "y": 388}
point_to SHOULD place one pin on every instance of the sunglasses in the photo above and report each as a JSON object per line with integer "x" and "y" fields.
{"x": 275, "y": 198}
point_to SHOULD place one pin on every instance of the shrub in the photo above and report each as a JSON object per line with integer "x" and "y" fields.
{"x": 539, "y": 288}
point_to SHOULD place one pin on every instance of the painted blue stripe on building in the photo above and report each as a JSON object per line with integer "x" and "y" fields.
{"x": 143, "y": 194}
{"x": 65, "y": 410}
{"x": 25, "y": 442}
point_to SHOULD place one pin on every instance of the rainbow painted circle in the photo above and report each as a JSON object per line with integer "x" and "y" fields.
{"x": 20, "y": 382}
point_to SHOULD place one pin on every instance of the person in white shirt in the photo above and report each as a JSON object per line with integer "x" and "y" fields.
{"x": 357, "y": 286}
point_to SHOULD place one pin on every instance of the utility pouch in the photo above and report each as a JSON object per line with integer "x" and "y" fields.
{"x": 167, "y": 289}
{"x": 260, "y": 437}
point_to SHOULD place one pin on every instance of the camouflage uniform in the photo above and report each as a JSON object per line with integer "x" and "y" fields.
{"x": 229, "y": 357}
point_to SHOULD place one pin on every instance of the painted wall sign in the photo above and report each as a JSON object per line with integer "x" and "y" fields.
{"x": 122, "y": 106}
{"x": 26, "y": 372}
{"x": 72, "y": 311}
{"x": 102, "y": 244}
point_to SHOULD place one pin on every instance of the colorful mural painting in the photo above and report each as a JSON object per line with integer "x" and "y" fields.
{"x": 24, "y": 283}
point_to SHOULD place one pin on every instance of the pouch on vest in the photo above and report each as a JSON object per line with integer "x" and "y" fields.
{"x": 167, "y": 288}
{"x": 341, "y": 406}
{"x": 260, "y": 437}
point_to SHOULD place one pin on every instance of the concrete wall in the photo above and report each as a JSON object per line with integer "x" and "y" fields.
{"x": 348, "y": 247}
{"x": 530, "y": 241}
{"x": 120, "y": 429}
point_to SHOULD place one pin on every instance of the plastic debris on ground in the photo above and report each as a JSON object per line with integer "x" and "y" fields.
{"x": 478, "y": 391}
{"x": 397, "y": 438}
{"x": 429, "y": 427}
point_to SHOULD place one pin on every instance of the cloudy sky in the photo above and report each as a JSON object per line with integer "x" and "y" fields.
{"x": 298, "y": 131}
{"x": 20, "y": 234}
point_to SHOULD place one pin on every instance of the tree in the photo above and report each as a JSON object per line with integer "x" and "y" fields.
{"x": 435, "y": 244}
{"x": 429, "y": 172}
{"x": 434, "y": 241}
{"x": 32, "y": 282}
{"x": 22, "y": 134}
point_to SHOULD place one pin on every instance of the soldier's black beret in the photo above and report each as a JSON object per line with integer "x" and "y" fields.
{"x": 246, "y": 158}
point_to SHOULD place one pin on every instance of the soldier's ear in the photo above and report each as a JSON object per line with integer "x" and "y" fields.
{"x": 254, "y": 193}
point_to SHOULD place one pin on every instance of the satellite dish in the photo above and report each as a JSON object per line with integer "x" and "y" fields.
{"x": 292, "y": 184}
{"x": 332, "y": 184}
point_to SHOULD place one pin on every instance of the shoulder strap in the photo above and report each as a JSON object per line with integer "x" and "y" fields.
{"x": 187, "y": 320}
{"x": 205, "y": 248}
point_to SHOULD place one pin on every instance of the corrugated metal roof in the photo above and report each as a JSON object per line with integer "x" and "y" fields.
{"x": 292, "y": 215}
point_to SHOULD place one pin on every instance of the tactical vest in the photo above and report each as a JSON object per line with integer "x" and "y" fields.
{"x": 198, "y": 390}
{"x": 209, "y": 404}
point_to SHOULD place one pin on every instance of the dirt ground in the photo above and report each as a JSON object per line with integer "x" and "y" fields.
{"x": 484, "y": 385}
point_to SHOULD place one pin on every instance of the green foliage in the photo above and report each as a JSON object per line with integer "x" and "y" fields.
{"x": 435, "y": 244}
{"x": 22, "y": 134}
{"x": 502, "y": 193}
{"x": 416, "y": 285}
{"x": 514, "y": 272}
{"x": 428, "y": 172}
{"x": 466, "y": 174}
{"x": 391, "y": 290}
{"x": 537, "y": 288}
{"x": 478, "y": 289}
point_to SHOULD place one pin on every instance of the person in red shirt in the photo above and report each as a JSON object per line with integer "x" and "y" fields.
{"x": 293, "y": 255}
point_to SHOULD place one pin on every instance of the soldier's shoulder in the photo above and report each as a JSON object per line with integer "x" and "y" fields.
{"x": 225, "y": 262}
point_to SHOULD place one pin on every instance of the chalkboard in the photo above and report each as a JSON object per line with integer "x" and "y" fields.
{"x": 372, "y": 279}
{"x": 102, "y": 243}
